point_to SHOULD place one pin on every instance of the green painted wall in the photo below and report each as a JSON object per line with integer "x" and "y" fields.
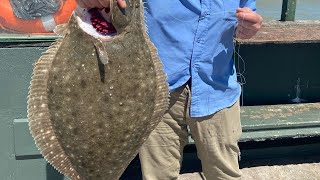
{"x": 15, "y": 73}
{"x": 274, "y": 71}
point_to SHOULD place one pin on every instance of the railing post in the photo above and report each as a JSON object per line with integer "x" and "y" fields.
{"x": 288, "y": 10}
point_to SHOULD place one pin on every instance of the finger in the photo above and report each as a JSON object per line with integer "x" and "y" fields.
{"x": 105, "y": 3}
{"x": 96, "y": 4}
{"x": 81, "y": 3}
{"x": 252, "y": 17}
{"x": 87, "y": 4}
{"x": 249, "y": 25}
{"x": 245, "y": 23}
{"x": 247, "y": 32}
{"x": 122, "y": 3}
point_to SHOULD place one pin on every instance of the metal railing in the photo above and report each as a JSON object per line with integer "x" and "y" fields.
{"x": 288, "y": 10}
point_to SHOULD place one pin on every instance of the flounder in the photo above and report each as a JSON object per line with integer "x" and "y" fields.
{"x": 94, "y": 99}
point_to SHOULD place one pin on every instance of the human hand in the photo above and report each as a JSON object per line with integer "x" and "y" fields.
{"x": 249, "y": 23}
{"x": 99, "y": 3}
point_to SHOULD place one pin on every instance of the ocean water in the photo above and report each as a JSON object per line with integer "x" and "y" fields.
{"x": 306, "y": 9}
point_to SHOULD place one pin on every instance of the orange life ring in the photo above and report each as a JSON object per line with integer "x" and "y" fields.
{"x": 9, "y": 22}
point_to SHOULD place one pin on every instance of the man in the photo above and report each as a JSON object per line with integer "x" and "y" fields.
{"x": 194, "y": 39}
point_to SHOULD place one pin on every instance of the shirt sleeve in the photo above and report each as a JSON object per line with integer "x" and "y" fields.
{"x": 248, "y": 3}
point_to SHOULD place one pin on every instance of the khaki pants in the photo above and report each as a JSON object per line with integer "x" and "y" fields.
{"x": 216, "y": 138}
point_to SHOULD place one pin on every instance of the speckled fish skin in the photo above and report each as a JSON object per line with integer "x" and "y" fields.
{"x": 89, "y": 118}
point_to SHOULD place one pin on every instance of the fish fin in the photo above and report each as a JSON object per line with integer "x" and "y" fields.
{"x": 101, "y": 52}
{"x": 40, "y": 124}
{"x": 61, "y": 29}
{"x": 102, "y": 57}
{"x": 162, "y": 98}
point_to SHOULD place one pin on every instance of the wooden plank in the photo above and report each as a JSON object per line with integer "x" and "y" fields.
{"x": 286, "y": 32}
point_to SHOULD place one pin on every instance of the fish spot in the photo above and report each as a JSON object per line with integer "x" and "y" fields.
{"x": 110, "y": 116}
{"x": 100, "y": 125}
{"x": 70, "y": 127}
{"x": 58, "y": 107}
{"x": 75, "y": 95}
{"x": 105, "y": 99}
{"x": 52, "y": 138}
{"x": 74, "y": 114}
{"x": 127, "y": 136}
{"x": 51, "y": 90}
{"x": 118, "y": 113}
{"x": 92, "y": 136}
{"x": 75, "y": 131}
{"x": 83, "y": 84}
{"x": 99, "y": 144}
{"x": 83, "y": 164}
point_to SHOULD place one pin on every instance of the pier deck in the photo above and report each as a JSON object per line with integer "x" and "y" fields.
{"x": 286, "y": 32}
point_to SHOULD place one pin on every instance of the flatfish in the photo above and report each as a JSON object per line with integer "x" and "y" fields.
{"x": 95, "y": 98}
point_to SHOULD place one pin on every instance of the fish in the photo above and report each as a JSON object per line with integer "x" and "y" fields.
{"x": 94, "y": 98}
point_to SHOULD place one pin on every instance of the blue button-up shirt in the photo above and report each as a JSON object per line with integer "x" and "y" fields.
{"x": 194, "y": 39}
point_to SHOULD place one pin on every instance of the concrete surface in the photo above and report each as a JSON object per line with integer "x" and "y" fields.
{"x": 310, "y": 171}
{"x": 294, "y": 168}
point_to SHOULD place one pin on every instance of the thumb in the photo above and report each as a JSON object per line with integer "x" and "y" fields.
{"x": 122, "y": 3}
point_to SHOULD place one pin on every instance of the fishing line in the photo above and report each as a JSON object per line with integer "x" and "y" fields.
{"x": 240, "y": 74}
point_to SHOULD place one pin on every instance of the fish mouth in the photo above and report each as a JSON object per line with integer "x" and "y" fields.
{"x": 96, "y": 22}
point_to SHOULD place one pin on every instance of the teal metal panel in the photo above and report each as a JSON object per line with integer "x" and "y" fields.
{"x": 279, "y": 73}
{"x": 280, "y": 133}
{"x": 24, "y": 145}
{"x": 15, "y": 72}
{"x": 17, "y": 38}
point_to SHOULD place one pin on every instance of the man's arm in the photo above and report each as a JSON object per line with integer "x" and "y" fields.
{"x": 249, "y": 22}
